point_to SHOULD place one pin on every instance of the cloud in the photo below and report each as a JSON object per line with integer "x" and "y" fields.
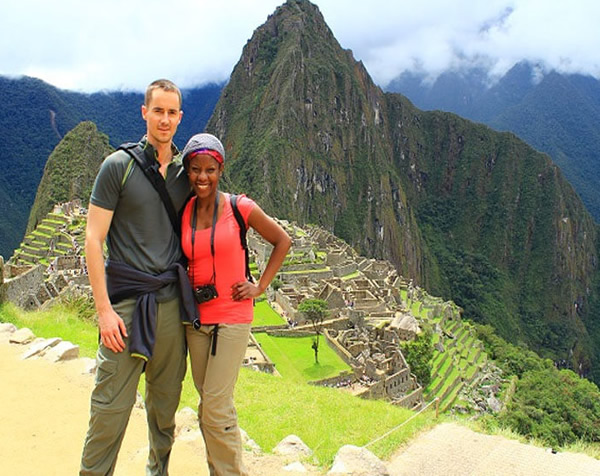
{"x": 110, "y": 44}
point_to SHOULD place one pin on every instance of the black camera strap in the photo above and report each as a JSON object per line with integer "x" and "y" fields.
{"x": 212, "y": 235}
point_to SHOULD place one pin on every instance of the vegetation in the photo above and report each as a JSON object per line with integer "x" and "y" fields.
{"x": 264, "y": 315}
{"x": 555, "y": 406}
{"x": 315, "y": 311}
{"x": 269, "y": 408}
{"x": 293, "y": 358}
{"x": 418, "y": 354}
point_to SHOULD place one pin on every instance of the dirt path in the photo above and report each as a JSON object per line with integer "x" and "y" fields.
{"x": 44, "y": 410}
{"x": 453, "y": 450}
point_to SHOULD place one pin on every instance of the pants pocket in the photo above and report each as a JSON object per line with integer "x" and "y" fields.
{"x": 105, "y": 381}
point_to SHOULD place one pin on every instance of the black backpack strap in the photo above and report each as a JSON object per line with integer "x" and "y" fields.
{"x": 150, "y": 169}
{"x": 243, "y": 231}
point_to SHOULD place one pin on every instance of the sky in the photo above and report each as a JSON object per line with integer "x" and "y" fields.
{"x": 96, "y": 45}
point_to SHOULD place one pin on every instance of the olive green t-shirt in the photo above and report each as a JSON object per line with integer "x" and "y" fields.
{"x": 140, "y": 234}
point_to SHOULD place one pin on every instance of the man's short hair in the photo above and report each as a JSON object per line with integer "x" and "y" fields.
{"x": 163, "y": 84}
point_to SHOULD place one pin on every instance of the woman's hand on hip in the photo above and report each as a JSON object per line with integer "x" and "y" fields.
{"x": 245, "y": 290}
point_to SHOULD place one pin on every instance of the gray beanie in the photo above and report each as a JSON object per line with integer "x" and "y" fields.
{"x": 200, "y": 142}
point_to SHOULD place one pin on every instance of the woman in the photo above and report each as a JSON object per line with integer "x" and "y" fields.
{"x": 217, "y": 270}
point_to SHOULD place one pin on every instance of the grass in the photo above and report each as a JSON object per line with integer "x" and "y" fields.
{"x": 269, "y": 408}
{"x": 61, "y": 320}
{"x": 264, "y": 315}
{"x": 353, "y": 275}
{"x": 295, "y": 361}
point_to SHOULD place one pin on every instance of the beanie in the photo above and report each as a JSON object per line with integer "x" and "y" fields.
{"x": 203, "y": 142}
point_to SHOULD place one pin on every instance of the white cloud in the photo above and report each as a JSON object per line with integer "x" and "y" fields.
{"x": 114, "y": 44}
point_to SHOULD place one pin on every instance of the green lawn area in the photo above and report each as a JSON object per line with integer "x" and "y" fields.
{"x": 60, "y": 320}
{"x": 294, "y": 357}
{"x": 355, "y": 274}
{"x": 269, "y": 407}
{"x": 264, "y": 315}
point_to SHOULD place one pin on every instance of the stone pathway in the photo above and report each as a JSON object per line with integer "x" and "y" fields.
{"x": 452, "y": 450}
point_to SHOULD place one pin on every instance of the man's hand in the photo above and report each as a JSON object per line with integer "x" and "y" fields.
{"x": 112, "y": 330}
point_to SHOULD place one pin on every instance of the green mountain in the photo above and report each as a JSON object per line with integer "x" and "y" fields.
{"x": 470, "y": 214}
{"x": 70, "y": 170}
{"x": 36, "y": 116}
{"x": 555, "y": 113}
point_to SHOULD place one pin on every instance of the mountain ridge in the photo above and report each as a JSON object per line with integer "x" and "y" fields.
{"x": 37, "y": 116}
{"x": 555, "y": 113}
{"x": 458, "y": 207}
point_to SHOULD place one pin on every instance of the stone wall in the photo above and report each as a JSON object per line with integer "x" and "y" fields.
{"x": 19, "y": 289}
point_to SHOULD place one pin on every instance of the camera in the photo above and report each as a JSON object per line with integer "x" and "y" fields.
{"x": 205, "y": 293}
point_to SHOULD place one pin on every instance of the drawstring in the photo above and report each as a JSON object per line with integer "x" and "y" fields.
{"x": 215, "y": 334}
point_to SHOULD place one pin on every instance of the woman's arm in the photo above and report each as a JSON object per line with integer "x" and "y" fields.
{"x": 274, "y": 234}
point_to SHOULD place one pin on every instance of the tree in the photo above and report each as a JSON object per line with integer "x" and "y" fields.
{"x": 315, "y": 310}
{"x": 418, "y": 354}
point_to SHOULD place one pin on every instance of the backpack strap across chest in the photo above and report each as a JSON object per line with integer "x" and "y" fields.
{"x": 150, "y": 169}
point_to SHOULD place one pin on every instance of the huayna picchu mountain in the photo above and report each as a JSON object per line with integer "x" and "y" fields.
{"x": 470, "y": 214}
{"x": 70, "y": 171}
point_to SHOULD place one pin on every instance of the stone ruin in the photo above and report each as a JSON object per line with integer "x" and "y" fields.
{"x": 367, "y": 311}
{"x": 50, "y": 260}
{"x": 368, "y": 318}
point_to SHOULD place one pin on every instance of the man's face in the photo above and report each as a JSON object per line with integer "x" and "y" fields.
{"x": 162, "y": 115}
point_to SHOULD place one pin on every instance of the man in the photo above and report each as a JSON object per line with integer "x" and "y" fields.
{"x": 127, "y": 210}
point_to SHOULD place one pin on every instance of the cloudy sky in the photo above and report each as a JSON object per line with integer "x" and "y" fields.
{"x": 124, "y": 44}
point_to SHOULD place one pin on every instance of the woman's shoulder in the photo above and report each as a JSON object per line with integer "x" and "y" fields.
{"x": 242, "y": 202}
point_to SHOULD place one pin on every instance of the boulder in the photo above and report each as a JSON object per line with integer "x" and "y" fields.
{"x": 22, "y": 336}
{"x": 7, "y": 327}
{"x": 292, "y": 446}
{"x": 64, "y": 350}
{"x": 38, "y": 346}
{"x": 355, "y": 461}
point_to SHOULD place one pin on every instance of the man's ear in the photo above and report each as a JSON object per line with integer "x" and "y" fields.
{"x": 144, "y": 111}
{"x": 180, "y": 116}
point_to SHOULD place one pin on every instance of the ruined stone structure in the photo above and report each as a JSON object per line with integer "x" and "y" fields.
{"x": 50, "y": 260}
{"x": 368, "y": 318}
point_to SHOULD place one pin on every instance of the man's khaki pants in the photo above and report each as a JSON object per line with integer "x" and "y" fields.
{"x": 114, "y": 394}
{"x": 215, "y": 377}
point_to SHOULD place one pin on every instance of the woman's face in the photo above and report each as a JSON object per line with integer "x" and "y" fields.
{"x": 204, "y": 173}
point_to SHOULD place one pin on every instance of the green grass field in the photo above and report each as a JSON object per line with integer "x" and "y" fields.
{"x": 294, "y": 357}
{"x": 264, "y": 315}
{"x": 269, "y": 407}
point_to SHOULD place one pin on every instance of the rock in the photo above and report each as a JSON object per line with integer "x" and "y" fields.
{"x": 64, "y": 350}
{"x": 249, "y": 444}
{"x": 292, "y": 446}
{"x": 356, "y": 461}
{"x": 139, "y": 401}
{"x": 494, "y": 404}
{"x": 186, "y": 422}
{"x": 22, "y": 336}
{"x": 7, "y": 327}
{"x": 38, "y": 346}
{"x": 297, "y": 467}
{"x": 89, "y": 365}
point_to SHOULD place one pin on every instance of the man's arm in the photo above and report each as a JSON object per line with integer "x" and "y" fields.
{"x": 112, "y": 328}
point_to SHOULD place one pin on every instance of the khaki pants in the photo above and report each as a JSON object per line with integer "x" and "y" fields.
{"x": 114, "y": 394}
{"x": 215, "y": 377}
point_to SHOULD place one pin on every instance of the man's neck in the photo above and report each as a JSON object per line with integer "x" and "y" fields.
{"x": 164, "y": 152}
